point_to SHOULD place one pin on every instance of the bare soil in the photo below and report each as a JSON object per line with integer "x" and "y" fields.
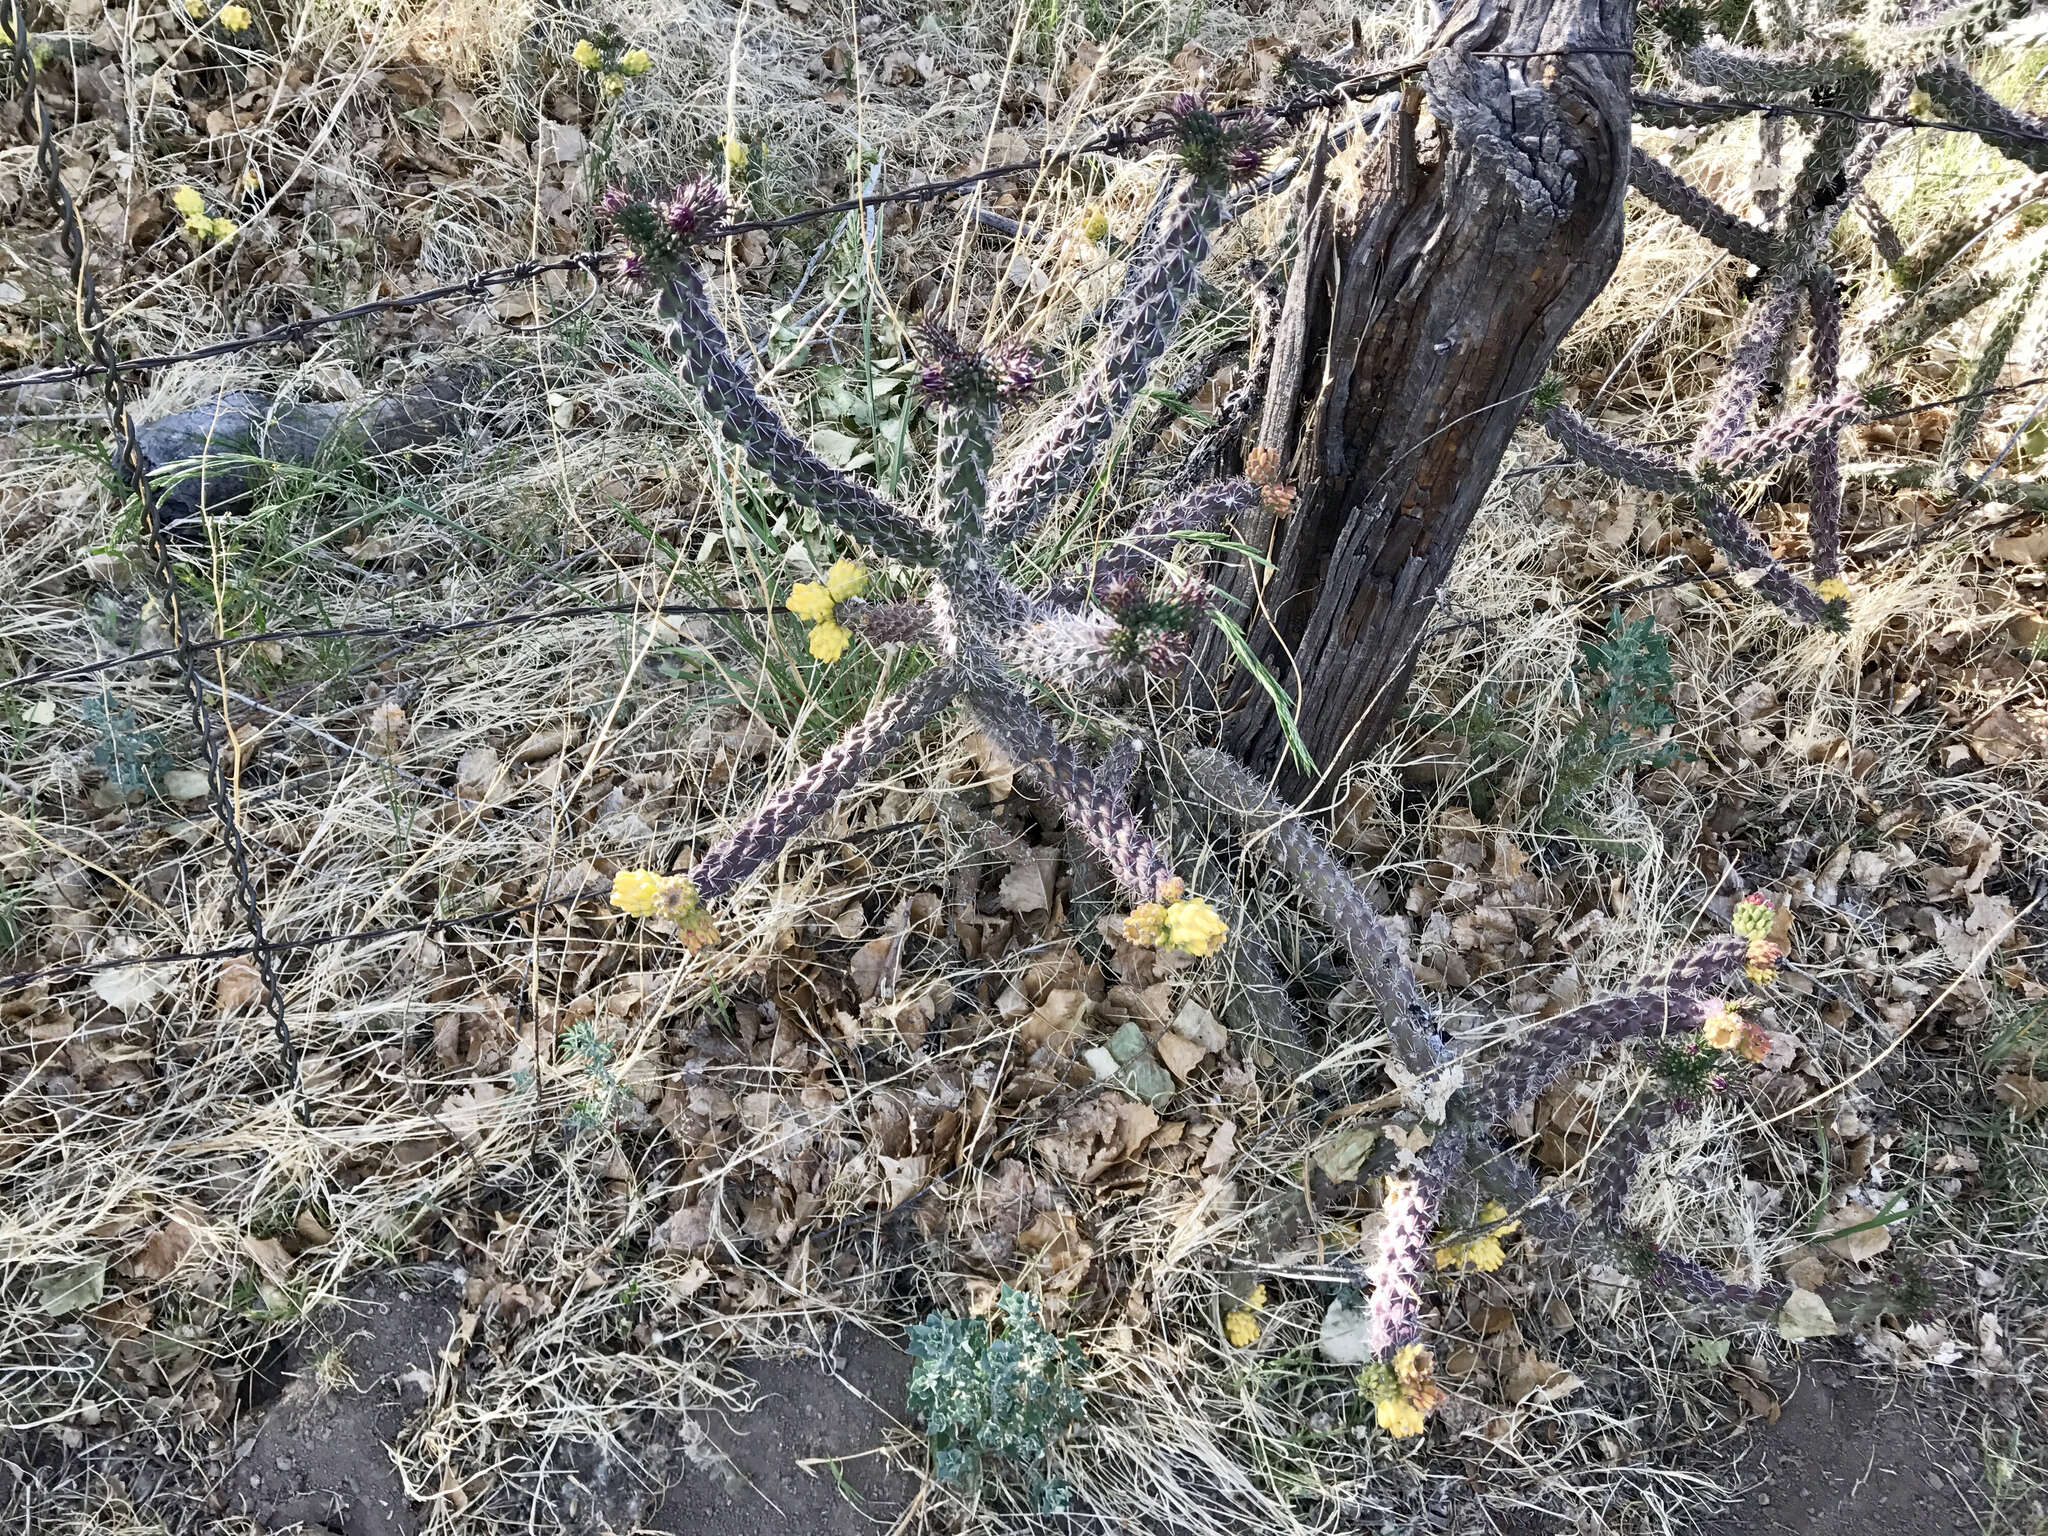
{"x": 319, "y": 1456}
{"x": 807, "y": 1458}
{"x": 805, "y": 1455}
{"x": 1848, "y": 1458}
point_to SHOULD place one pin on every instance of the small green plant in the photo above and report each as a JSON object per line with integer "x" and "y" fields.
{"x": 984, "y": 1393}
{"x": 1624, "y": 684}
{"x": 593, "y": 1111}
{"x": 131, "y": 758}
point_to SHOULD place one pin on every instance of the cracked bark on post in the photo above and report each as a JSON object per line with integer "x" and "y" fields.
{"x": 1433, "y": 287}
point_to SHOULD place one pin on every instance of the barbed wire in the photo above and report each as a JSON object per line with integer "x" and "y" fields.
{"x": 410, "y": 634}
{"x": 91, "y": 321}
{"x": 106, "y": 365}
{"x": 15, "y": 981}
{"x": 1992, "y": 391}
{"x": 480, "y": 285}
{"x": 1739, "y": 106}
{"x": 419, "y": 631}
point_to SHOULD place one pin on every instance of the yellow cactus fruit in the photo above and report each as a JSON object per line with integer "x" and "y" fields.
{"x": 847, "y": 578}
{"x": 810, "y": 602}
{"x": 829, "y": 641}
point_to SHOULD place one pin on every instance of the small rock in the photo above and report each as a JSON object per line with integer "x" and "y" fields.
{"x": 184, "y": 784}
{"x": 1198, "y": 1024}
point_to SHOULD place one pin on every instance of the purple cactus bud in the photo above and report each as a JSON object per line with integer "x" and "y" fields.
{"x": 614, "y": 199}
{"x": 1193, "y": 596}
{"x": 1167, "y": 653}
{"x": 697, "y": 208}
{"x": 1215, "y": 150}
{"x": 956, "y": 373}
{"x": 1017, "y": 370}
{"x": 1120, "y": 593}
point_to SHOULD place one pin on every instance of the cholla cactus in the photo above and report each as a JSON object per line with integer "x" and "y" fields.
{"x": 1861, "y": 73}
{"x": 992, "y": 639}
{"x": 1697, "y": 1042}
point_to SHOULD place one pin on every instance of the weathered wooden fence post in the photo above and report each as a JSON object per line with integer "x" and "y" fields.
{"x": 1444, "y": 255}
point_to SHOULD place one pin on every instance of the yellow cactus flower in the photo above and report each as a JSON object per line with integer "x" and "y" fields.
{"x": 829, "y": 641}
{"x": 1832, "y": 589}
{"x": 810, "y": 602}
{"x": 1723, "y": 1028}
{"x": 1240, "y": 1326}
{"x": 252, "y": 180}
{"x": 1193, "y": 927}
{"x": 189, "y": 202}
{"x": 634, "y": 63}
{"x": 1485, "y": 1251}
{"x": 586, "y": 54}
{"x": 1413, "y": 1366}
{"x": 643, "y": 893}
{"x": 735, "y": 152}
{"x": 1095, "y": 224}
{"x": 221, "y": 229}
{"x": 235, "y": 18}
{"x": 1761, "y": 964}
{"x": 611, "y": 82}
{"x": 847, "y": 578}
{"x": 636, "y": 892}
{"x": 196, "y": 9}
{"x": 1399, "y": 1418}
{"x": 1186, "y": 923}
{"x": 1403, "y": 1390}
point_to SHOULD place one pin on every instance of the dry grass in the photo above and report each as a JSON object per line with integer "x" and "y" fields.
{"x": 645, "y": 1164}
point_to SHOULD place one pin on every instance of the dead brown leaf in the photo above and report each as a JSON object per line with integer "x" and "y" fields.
{"x": 1756, "y": 1396}
{"x": 1856, "y": 1246}
{"x": 1543, "y": 1381}
{"x": 238, "y": 984}
{"x": 2024, "y": 1093}
{"x": 164, "y": 1249}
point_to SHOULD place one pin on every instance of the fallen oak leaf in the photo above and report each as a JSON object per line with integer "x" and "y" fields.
{"x": 1543, "y": 1381}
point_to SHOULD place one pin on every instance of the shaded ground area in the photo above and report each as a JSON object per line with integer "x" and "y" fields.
{"x": 319, "y": 1457}
{"x": 1850, "y": 1459}
{"x": 838, "y": 1410}
{"x": 807, "y": 1458}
